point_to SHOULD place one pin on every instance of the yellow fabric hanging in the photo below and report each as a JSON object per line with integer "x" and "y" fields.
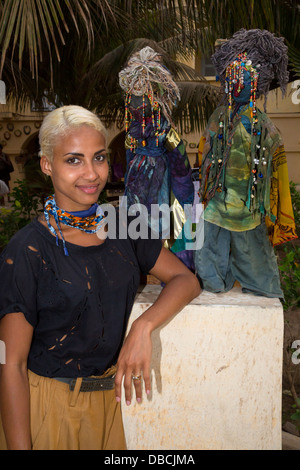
{"x": 281, "y": 223}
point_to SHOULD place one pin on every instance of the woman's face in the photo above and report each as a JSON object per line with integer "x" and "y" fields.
{"x": 79, "y": 168}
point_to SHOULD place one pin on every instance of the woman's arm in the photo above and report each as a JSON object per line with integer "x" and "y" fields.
{"x": 181, "y": 287}
{"x": 16, "y": 333}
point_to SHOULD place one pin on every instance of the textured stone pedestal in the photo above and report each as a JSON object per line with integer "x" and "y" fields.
{"x": 216, "y": 376}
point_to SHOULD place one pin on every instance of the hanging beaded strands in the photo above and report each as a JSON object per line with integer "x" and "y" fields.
{"x": 234, "y": 82}
{"x": 263, "y": 56}
{"x": 234, "y": 85}
{"x": 147, "y": 77}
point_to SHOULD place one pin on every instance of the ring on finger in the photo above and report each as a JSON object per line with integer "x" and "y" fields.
{"x": 136, "y": 377}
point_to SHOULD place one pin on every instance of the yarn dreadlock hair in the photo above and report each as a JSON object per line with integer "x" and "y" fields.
{"x": 146, "y": 75}
{"x": 267, "y": 53}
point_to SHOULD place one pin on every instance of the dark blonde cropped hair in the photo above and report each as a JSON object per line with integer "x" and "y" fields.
{"x": 61, "y": 122}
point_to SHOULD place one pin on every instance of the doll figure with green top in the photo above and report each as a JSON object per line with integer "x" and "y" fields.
{"x": 244, "y": 182}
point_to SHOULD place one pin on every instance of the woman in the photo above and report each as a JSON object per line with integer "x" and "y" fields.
{"x": 66, "y": 294}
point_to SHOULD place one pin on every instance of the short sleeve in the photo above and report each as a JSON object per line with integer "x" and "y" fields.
{"x": 145, "y": 244}
{"x": 19, "y": 270}
{"x": 147, "y": 253}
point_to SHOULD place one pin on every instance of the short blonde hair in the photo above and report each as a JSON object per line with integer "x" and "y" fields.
{"x": 62, "y": 121}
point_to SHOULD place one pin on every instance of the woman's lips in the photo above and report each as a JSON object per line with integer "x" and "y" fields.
{"x": 89, "y": 189}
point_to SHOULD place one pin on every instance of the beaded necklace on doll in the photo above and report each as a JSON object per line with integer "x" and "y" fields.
{"x": 88, "y": 221}
{"x": 155, "y": 117}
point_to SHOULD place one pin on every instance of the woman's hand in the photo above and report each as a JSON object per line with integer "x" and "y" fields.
{"x": 134, "y": 362}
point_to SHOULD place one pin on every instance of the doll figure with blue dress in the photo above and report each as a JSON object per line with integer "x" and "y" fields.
{"x": 158, "y": 172}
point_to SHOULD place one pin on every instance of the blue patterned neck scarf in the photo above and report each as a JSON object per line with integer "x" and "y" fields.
{"x": 88, "y": 221}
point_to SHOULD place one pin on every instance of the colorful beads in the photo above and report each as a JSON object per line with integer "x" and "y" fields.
{"x": 234, "y": 80}
{"x": 127, "y": 102}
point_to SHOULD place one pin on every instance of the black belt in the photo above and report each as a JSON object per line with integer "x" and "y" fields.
{"x": 90, "y": 384}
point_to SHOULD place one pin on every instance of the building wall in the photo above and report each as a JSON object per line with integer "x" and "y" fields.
{"x": 18, "y": 130}
{"x": 285, "y": 113}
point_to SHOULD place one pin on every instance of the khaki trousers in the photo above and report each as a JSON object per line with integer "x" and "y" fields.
{"x": 71, "y": 420}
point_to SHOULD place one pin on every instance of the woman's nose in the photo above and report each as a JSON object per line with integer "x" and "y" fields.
{"x": 91, "y": 171}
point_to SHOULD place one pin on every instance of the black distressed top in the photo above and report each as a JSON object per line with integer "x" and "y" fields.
{"x": 79, "y": 305}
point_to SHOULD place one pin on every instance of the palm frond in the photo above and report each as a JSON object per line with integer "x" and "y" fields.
{"x": 294, "y": 56}
{"x": 221, "y": 18}
{"x": 198, "y": 101}
{"x": 31, "y": 25}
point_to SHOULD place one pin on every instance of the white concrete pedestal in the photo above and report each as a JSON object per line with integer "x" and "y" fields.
{"x": 216, "y": 376}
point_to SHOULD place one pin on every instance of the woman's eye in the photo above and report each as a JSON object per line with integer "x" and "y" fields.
{"x": 100, "y": 158}
{"x": 73, "y": 160}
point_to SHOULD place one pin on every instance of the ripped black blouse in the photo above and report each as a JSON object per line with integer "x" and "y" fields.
{"x": 79, "y": 305}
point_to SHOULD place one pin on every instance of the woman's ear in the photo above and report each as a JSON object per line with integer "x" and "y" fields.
{"x": 45, "y": 165}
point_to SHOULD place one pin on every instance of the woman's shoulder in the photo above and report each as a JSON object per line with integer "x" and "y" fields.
{"x": 26, "y": 237}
